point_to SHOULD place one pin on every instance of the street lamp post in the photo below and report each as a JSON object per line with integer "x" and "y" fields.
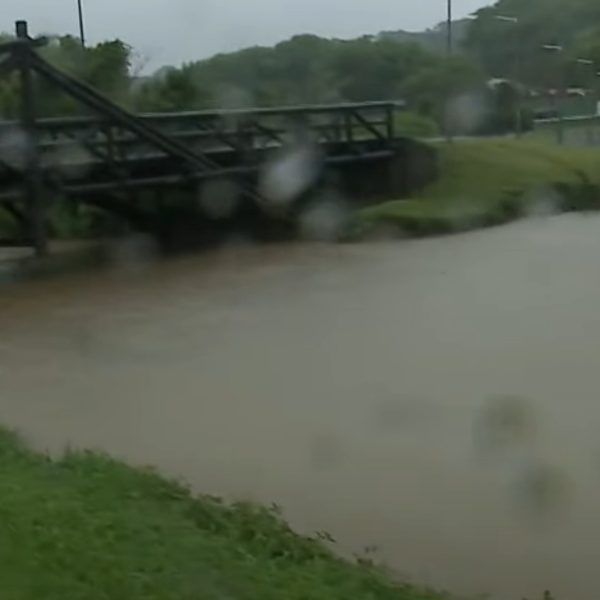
{"x": 81, "y": 23}
{"x": 517, "y": 75}
{"x": 557, "y": 49}
{"x": 449, "y": 47}
{"x": 591, "y": 67}
{"x": 449, "y": 33}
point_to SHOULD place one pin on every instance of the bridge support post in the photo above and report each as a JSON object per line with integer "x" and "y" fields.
{"x": 390, "y": 127}
{"x": 32, "y": 164}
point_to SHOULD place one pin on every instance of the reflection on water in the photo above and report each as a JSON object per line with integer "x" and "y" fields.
{"x": 436, "y": 400}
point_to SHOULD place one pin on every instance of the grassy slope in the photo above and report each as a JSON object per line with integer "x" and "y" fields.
{"x": 87, "y": 527}
{"x": 476, "y": 178}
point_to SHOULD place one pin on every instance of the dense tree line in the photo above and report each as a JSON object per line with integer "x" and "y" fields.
{"x": 106, "y": 66}
{"x": 309, "y": 69}
{"x": 515, "y": 49}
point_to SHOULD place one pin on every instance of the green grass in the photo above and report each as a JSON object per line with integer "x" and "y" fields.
{"x": 87, "y": 527}
{"x": 486, "y": 182}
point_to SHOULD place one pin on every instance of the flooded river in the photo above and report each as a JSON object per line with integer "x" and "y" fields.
{"x": 436, "y": 400}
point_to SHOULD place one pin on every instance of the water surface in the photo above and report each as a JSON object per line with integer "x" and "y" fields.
{"x": 437, "y": 399}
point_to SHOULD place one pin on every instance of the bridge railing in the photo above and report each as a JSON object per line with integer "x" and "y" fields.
{"x": 572, "y": 130}
{"x": 244, "y": 130}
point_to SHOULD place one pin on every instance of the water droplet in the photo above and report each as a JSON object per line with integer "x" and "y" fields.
{"x": 14, "y": 148}
{"x": 325, "y": 218}
{"x": 288, "y": 175}
{"x": 219, "y": 198}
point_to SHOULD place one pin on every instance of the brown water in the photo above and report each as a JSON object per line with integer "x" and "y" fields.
{"x": 351, "y": 385}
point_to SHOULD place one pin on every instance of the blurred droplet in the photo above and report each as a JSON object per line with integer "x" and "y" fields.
{"x": 325, "y": 218}
{"x": 325, "y": 452}
{"x": 219, "y": 198}
{"x": 466, "y": 113}
{"x": 9, "y": 271}
{"x": 71, "y": 161}
{"x": 542, "y": 202}
{"x": 133, "y": 253}
{"x": 14, "y": 148}
{"x": 543, "y": 490}
{"x": 233, "y": 98}
{"x": 403, "y": 412}
{"x": 504, "y": 423}
{"x": 380, "y": 232}
{"x": 53, "y": 41}
{"x": 286, "y": 177}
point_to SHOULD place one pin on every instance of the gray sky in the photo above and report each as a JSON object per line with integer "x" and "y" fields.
{"x": 173, "y": 31}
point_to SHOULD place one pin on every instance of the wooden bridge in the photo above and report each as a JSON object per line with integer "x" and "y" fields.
{"x": 129, "y": 163}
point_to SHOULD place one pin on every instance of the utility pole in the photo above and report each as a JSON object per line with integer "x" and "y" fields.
{"x": 449, "y": 43}
{"x": 449, "y": 36}
{"x": 33, "y": 170}
{"x": 556, "y": 97}
{"x": 589, "y": 65}
{"x": 81, "y": 24}
{"x": 517, "y": 73}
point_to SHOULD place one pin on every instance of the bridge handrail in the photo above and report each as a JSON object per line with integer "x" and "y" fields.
{"x": 282, "y": 110}
{"x": 572, "y": 119}
{"x": 309, "y": 109}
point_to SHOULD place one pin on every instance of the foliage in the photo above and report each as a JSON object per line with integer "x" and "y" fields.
{"x": 515, "y": 50}
{"x": 434, "y": 39}
{"x": 413, "y": 124}
{"x": 309, "y": 69}
{"x": 86, "y": 526}
{"x": 491, "y": 182}
{"x": 305, "y": 69}
{"x": 105, "y": 66}
{"x": 429, "y": 89}
{"x": 171, "y": 90}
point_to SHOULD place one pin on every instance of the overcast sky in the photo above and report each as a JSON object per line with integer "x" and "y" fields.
{"x": 173, "y": 31}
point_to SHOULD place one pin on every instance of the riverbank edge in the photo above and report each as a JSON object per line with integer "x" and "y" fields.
{"x": 485, "y": 184}
{"x": 86, "y": 525}
{"x": 27, "y": 266}
{"x": 378, "y": 222}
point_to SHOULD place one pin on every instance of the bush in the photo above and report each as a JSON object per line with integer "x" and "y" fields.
{"x": 413, "y": 124}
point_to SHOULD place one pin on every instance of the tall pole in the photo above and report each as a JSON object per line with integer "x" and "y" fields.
{"x": 556, "y": 49}
{"x": 519, "y": 125}
{"x": 449, "y": 43}
{"x": 33, "y": 171}
{"x": 449, "y": 37}
{"x": 590, "y": 68}
{"x": 81, "y": 24}
{"x": 517, "y": 73}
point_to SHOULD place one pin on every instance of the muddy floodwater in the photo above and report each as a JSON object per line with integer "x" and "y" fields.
{"x": 435, "y": 401}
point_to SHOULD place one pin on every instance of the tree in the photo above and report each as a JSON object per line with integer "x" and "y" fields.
{"x": 565, "y": 22}
{"x": 431, "y": 91}
{"x": 104, "y": 66}
{"x": 170, "y": 90}
{"x": 373, "y": 69}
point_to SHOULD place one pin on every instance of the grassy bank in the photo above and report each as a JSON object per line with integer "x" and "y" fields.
{"x": 87, "y": 527}
{"x": 490, "y": 182}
